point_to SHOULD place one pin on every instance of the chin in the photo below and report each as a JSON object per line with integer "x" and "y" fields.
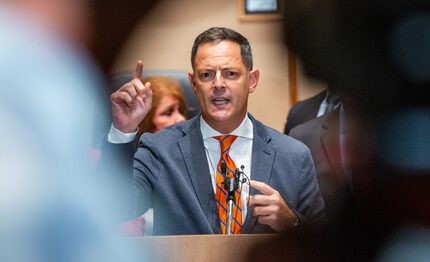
{"x": 220, "y": 116}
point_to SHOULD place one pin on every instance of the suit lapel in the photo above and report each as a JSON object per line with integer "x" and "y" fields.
{"x": 192, "y": 148}
{"x": 262, "y": 159}
{"x": 331, "y": 145}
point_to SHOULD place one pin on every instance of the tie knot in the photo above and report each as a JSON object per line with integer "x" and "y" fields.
{"x": 225, "y": 142}
{"x": 333, "y": 99}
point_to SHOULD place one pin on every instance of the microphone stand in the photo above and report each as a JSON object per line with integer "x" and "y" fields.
{"x": 231, "y": 184}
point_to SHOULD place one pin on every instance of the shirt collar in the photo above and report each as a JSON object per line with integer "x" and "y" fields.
{"x": 245, "y": 129}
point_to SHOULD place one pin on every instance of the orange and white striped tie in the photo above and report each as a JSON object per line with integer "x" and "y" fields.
{"x": 221, "y": 193}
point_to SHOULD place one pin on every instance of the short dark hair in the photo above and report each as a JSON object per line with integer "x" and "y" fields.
{"x": 217, "y": 34}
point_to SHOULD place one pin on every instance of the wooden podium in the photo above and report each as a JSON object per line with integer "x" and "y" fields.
{"x": 196, "y": 247}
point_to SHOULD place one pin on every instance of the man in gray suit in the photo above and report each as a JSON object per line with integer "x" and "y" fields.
{"x": 176, "y": 170}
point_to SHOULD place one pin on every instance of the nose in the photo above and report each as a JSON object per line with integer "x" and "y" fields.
{"x": 218, "y": 80}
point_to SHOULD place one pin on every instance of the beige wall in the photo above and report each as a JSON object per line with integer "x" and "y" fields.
{"x": 163, "y": 39}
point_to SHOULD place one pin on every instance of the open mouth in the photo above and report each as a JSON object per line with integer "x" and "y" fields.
{"x": 220, "y": 101}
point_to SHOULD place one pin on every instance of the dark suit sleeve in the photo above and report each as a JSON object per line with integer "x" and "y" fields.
{"x": 311, "y": 203}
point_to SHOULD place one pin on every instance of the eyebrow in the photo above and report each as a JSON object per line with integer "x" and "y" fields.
{"x": 222, "y": 69}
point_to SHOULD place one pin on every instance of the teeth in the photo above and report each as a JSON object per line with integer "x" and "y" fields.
{"x": 220, "y": 101}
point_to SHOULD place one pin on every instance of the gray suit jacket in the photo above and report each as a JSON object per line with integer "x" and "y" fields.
{"x": 171, "y": 174}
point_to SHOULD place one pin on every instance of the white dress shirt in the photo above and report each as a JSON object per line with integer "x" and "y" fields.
{"x": 116, "y": 136}
{"x": 323, "y": 106}
{"x": 240, "y": 152}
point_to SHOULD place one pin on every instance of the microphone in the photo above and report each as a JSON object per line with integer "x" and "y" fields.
{"x": 230, "y": 185}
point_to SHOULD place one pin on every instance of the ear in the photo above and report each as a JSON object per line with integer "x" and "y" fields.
{"x": 254, "y": 76}
{"x": 191, "y": 79}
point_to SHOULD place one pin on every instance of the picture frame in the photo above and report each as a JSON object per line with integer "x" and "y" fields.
{"x": 260, "y": 10}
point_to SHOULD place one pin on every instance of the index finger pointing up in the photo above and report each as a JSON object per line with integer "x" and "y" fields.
{"x": 262, "y": 187}
{"x": 138, "y": 70}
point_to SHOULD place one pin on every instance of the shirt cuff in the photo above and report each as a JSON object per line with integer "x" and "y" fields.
{"x": 115, "y": 136}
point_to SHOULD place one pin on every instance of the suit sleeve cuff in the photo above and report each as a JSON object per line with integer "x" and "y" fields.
{"x": 115, "y": 136}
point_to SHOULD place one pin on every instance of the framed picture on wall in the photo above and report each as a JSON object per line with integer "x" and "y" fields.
{"x": 260, "y": 10}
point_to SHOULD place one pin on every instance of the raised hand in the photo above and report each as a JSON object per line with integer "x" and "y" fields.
{"x": 131, "y": 103}
{"x": 270, "y": 209}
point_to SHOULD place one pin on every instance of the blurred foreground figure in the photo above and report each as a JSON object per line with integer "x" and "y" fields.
{"x": 50, "y": 89}
{"x": 376, "y": 54}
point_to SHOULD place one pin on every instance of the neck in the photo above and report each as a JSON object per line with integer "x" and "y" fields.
{"x": 224, "y": 127}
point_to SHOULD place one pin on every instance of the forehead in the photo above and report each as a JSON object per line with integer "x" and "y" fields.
{"x": 167, "y": 100}
{"x": 218, "y": 53}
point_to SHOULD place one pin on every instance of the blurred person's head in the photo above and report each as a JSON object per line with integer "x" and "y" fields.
{"x": 223, "y": 77}
{"x": 88, "y": 24}
{"x": 168, "y": 105}
{"x": 375, "y": 52}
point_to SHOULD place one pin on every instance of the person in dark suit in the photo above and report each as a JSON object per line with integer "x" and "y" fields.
{"x": 321, "y": 135}
{"x": 315, "y": 106}
{"x": 304, "y": 111}
{"x": 332, "y": 139}
{"x": 176, "y": 170}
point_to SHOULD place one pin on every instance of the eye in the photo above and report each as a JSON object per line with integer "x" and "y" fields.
{"x": 168, "y": 112}
{"x": 231, "y": 75}
{"x": 206, "y": 76}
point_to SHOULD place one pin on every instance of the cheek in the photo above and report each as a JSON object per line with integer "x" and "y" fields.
{"x": 239, "y": 92}
{"x": 157, "y": 121}
{"x": 161, "y": 122}
{"x": 201, "y": 91}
